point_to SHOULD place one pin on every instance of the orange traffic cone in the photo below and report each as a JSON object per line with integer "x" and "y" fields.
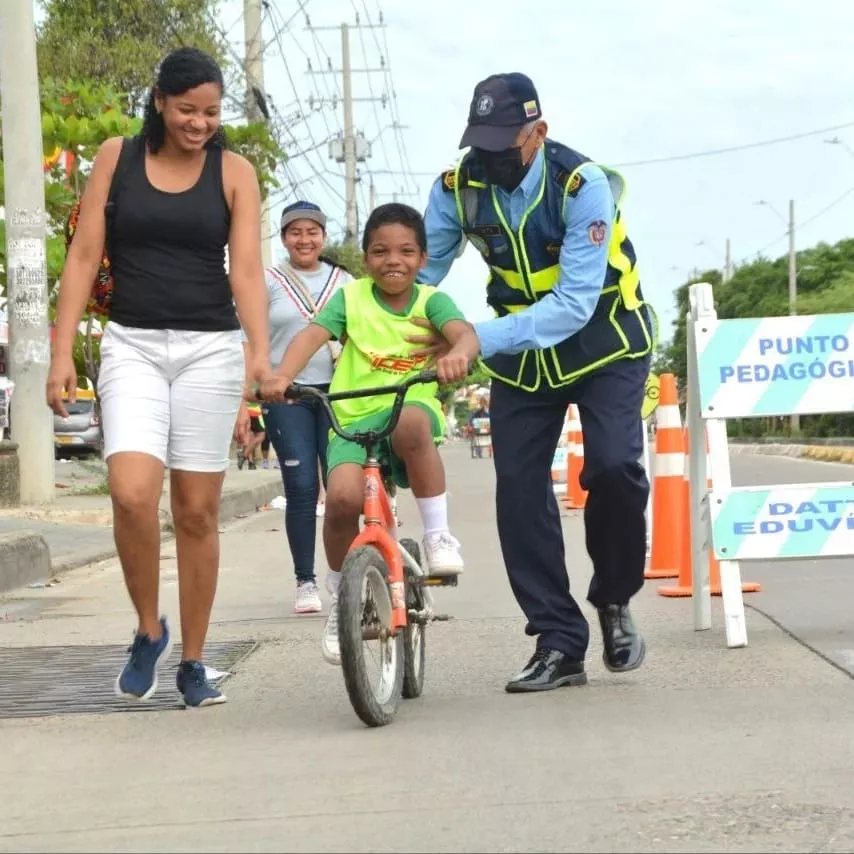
{"x": 684, "y": 586}
{"x": 668, "y": 498}
{"x": 576, "y": 497}
{"x": 684, "y": 580}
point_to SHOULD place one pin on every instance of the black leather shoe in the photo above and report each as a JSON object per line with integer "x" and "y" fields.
{"x": 547, "y": 669}
{"x": 624, "y": 647}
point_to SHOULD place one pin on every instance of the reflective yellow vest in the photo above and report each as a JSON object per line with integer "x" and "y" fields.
{"x": 376, "y": 353}
{"x": 524, "y": 267}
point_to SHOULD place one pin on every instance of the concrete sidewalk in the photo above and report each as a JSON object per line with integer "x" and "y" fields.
{"x": 703, "y": 749}
{"x": 77, "y": 528}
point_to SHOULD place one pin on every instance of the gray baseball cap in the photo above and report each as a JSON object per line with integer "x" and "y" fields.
{"x": 302, "y": 210}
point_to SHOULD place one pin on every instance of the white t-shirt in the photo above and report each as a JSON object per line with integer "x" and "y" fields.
{"x": 290, "y": 313}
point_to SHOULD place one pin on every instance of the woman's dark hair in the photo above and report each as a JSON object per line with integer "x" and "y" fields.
{"x": 333, "y": 262}
{"x": 182, "y": 70}
{"x": 395, "y": 213}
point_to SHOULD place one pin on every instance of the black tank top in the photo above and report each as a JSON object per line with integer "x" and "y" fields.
{"x": 168, "y": 251}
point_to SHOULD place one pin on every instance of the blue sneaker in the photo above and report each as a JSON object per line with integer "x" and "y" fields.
{"x": 138, "y": 679}
{"x": 192, "y": 682}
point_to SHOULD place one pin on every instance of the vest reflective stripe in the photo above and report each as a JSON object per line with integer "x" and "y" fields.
{"x": 540, "y": 282}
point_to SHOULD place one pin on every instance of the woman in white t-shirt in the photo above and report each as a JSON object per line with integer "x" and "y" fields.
{"x": 299, "y": 431}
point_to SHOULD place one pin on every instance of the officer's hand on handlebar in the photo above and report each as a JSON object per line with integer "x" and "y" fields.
{"x": 432, "y": 343}
{"x": 273, "y": 389}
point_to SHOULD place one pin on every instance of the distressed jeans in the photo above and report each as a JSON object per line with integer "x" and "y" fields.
{"x": 299, "y": 433}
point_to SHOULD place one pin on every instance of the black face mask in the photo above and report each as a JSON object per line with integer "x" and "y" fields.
{"x": 503, "y": 168}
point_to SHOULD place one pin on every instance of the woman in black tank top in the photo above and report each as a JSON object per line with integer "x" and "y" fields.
{"x": 172, "y": 371}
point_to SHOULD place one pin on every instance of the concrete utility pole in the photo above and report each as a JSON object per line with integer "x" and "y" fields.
{"x": 254, "y": 72}
{"x": 793, "y": 284}
{"x": 352, "y": 148}
{"x": 793, "y": 271}
{"x": 26, "y": 261}
{"x": 793, "y": 262}
{"x": 349, "y": 139}
{"x": 727, "y": 262}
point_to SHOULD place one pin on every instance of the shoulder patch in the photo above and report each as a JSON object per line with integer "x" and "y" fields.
{"x": 449, "y": 180}
{"x": 572, "y": 182}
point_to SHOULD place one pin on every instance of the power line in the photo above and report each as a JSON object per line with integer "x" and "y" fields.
{"x": 315, "y": 145}
{"x": 811, "y": 219}
{"x": 714, "y": 151}
{"x": 397, "y": 125}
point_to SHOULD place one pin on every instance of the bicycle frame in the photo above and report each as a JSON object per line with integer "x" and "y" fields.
{"x": 380, "y": 528}
{"x": 380, "y": 521}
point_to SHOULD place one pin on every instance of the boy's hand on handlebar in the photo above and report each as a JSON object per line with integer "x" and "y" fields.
{"x": 273, "y": 389}
{"x": 455, "y": 365}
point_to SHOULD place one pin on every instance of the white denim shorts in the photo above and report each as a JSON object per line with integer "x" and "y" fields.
{"x": 171, "y": 393}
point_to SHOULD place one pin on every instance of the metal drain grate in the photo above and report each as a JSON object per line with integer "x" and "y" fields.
{"x": 77, "y": 680}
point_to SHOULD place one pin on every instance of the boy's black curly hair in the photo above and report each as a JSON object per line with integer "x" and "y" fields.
{"x": 395, "y": 213}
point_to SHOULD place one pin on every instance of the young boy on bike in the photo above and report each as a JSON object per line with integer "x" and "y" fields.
{"x": 372, "y": 317}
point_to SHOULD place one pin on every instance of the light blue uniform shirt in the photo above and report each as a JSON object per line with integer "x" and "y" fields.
{"x": 569, "y": 306}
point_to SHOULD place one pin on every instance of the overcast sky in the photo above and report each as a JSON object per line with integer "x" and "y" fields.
{"x": 619, "y": 81}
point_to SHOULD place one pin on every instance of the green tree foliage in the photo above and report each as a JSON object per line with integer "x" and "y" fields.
{"x": 97, "y": 61}
{"x": 118, "y": 43}
{"x": 761, "y": 289}
{"x": 348, "y": 256}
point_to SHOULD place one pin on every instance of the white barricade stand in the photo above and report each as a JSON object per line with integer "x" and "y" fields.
{"x": 752, "y": 368}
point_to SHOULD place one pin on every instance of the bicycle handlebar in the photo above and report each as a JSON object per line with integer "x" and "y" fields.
{"x": 371, "y": 437}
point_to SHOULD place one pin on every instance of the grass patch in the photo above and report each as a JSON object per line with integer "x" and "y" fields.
{"x": 101, "y": 488}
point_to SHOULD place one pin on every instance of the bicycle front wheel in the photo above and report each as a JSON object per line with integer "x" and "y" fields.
{"x": 372, "y": 659}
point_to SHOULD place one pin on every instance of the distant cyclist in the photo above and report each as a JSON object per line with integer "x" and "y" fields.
{"x": 257, "y": 436}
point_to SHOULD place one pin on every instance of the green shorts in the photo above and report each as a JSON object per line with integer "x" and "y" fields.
{"x": 340, "y": 451}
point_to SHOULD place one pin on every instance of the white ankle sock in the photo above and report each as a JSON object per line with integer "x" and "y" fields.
{"x": 333, "y": 582}
{"x": 434, "y": 513}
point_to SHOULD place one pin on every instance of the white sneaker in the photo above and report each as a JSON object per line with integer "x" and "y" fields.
{"x": 329, "y": 642}
{"x": 307, "y": 599}
{"x": 442, "y": 554}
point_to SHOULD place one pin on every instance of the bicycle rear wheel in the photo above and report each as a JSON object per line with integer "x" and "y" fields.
{"x": 415, "y": 633}
{"x": 364, "y": 616}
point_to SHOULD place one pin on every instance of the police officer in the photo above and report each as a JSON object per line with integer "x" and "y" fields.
{"x": 571, "y": 326}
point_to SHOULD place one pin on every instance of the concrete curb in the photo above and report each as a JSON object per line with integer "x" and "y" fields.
{"x": 24, "y": 558}
{"x": 25, "y": 555}
{"x": 821, "y": 453}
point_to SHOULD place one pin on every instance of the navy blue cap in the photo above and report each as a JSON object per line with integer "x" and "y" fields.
{"x": 500, "y": 106}
{"x": 302, "y": 210}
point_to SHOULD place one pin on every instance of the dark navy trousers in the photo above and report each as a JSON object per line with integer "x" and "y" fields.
{"x": 526, "y": 427}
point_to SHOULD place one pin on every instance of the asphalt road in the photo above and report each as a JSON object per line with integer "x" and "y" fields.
{"x": 813, "y": 599}
{"x": 703, "y": 749}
